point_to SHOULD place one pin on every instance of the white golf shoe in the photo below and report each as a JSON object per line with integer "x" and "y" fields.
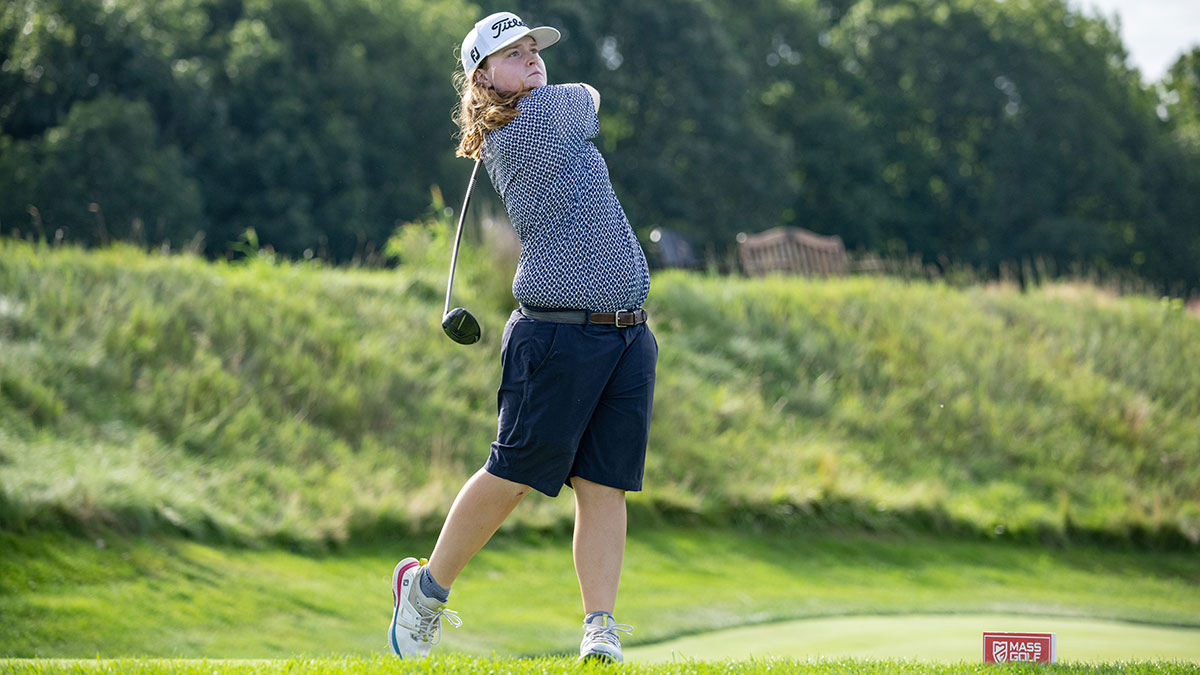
{"x": 600, "y": 638}
{"x": 417, "y": 619}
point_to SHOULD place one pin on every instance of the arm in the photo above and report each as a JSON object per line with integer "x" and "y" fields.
{"x": 595, "y": 95}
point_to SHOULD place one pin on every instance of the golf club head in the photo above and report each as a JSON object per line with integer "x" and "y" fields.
{"x": 461, "y": 326}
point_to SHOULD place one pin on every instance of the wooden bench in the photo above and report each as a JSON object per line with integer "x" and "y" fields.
{"x": 792, "y": 250}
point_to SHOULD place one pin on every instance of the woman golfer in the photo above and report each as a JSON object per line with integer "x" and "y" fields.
{"x": 578, "y": 359}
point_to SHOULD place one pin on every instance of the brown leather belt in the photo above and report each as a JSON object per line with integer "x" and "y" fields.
{"x": 623, "y": 318}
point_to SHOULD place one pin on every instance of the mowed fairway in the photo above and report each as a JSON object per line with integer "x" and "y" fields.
{"x": 732, "y": 593}
{"x": 944, "y": 638}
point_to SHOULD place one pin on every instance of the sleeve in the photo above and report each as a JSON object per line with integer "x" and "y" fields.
{"x": 595, "y": 96}
{"x": 552, "y": 124}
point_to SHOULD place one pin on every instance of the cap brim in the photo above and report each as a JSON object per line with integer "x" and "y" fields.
{"x": 544, "y": 36}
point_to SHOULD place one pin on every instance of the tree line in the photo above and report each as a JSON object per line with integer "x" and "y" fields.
{"x": 975, "y": 131}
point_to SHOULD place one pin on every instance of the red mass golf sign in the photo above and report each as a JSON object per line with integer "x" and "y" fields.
{"x": 1005, "y": 647}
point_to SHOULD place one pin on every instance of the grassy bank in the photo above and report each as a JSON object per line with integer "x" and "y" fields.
{"x": 292, "y": 403}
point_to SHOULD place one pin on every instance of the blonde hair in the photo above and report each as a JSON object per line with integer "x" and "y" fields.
{"x": 480, "y": 109}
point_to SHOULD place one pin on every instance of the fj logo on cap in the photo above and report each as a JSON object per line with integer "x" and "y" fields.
{"x": 504, "y": 24}
{"x": 475, "y": 55}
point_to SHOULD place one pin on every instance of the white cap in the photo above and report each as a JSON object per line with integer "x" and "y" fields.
{"x": 498, "y": 31}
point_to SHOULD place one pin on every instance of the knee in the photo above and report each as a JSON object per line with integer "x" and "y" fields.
{"x": 588, "y": 491}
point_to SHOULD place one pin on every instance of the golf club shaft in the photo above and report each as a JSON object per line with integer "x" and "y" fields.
{"x": 458, "y": 235}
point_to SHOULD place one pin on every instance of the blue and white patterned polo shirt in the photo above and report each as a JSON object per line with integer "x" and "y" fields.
{"x": 578, "y": 250}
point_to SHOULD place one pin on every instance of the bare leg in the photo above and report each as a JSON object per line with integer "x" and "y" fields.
{"x": 599, "y": 545}
{"x": 478, "y": 511}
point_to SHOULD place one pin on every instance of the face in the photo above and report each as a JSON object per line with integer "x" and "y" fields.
{"x": 516, "y": 67}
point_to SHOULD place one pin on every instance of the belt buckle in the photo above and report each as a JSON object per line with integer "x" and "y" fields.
{"x": 617, "y": 317}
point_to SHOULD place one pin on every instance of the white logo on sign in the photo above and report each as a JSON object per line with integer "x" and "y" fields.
{"x": 1009, "y": 650}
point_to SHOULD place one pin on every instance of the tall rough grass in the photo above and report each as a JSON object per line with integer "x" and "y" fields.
{"x": 275, "y": 401}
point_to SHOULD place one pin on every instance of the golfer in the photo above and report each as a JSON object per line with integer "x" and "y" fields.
{"x": 577, "y": 357}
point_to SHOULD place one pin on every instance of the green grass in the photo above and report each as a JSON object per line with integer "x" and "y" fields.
{"x": 66, "y": 597}
{"x": 943, "y": 638}
{"x": 308, "y": 406}
{"x": 212, "y": 460}
{"x": 508, "y": 666}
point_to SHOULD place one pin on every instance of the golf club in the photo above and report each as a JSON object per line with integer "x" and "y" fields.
{"x": 458, "y": 323}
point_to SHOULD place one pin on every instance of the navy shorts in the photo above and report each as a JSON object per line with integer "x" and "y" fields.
{"x": 574, "y": 400}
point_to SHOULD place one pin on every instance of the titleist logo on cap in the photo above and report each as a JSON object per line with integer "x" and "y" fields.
{"x": 504, "y": 24}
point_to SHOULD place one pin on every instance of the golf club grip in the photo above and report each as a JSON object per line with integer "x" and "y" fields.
{"x": 462, "y": 215}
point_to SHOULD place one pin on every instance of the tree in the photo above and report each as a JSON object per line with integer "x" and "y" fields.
{"x": 982, "y": 131}
{"x": 1173, "y": 238}
{"x": 834, "y": 179}
{"x": 84, "y": 155}
{"x": 1015, "y": 129}
{"x": 320, "y": 124}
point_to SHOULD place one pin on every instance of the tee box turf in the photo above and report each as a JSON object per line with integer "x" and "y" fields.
{"x": 1005, "y": 647}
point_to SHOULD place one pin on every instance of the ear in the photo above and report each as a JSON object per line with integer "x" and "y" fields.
{"x": 481, "y": 77}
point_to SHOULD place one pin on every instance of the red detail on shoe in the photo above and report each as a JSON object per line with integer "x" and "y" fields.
{"x": 400, "y": 577}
